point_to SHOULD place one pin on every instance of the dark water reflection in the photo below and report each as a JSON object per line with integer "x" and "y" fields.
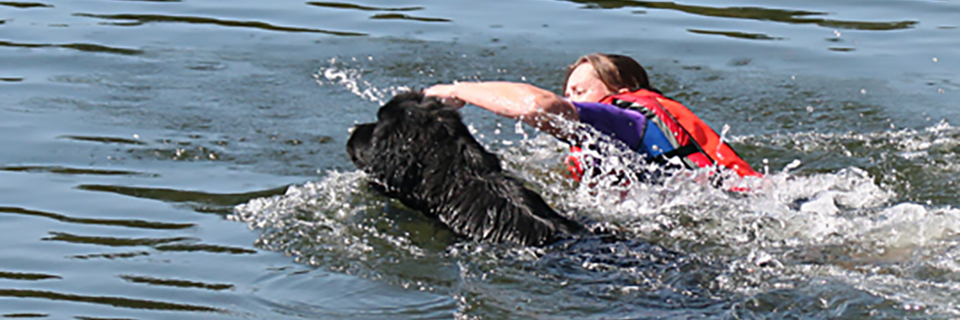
{"x": 24, "y": 5}
{"x": 105, "y": 222}
{"x": 119, "y": 302}
{"x": 201, "y": 201}
{"x": 27, "y": 276}
{"x": 344, "y": 5}
{"x": 140, "y": 19}
{"x": 392, "y": 16}
{"x": 737, "y": 34}
{"x": 63, "y": 170}
{"x": 75, "y": 46}
{"x": 752, "y": 13}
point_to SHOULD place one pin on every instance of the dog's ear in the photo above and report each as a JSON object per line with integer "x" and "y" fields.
{"x": 401, "y": 106}
{"x": 432, "y": 104}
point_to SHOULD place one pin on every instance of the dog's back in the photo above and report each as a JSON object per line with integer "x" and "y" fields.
{"x": 498, "y": 208}
{"x": 422, "y": 154}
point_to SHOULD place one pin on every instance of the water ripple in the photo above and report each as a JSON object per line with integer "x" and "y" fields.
{"x": 397, "y": 16}
{"x": 25, "y": 315}
{"x": 340, "y": 5}
{"x": 141, "y": 19}
{"x": 87, "y": 47}
{"x": 112, "y": 301}
{"x": 752, "y": 13}
{"x": 27, "y": 276}
{"x": 106, "y": 222}
{"x": 203, "y": 248}
{"x": 176, "y": 283}
{"x": 203, "y": 201}
{"x": 736, "y": 34}
{"x": 75, "y": 171}
{"x": 111, "y": 256}
{"x": 103, "y": 139}
{"x": 25, "y": 5}
{"x": 160, "y": 244}
{"x": 112, "y": 241}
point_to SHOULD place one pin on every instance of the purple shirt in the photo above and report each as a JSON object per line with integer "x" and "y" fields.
{"x": 622, "y": 124}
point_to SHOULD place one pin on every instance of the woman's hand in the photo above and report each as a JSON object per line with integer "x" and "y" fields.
{"x": 446, "y": 94}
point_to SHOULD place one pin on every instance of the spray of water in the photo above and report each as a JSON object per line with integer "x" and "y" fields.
{"x": 337, "y": 73}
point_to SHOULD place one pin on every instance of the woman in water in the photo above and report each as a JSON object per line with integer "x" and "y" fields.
{"x": 611, "y": 93}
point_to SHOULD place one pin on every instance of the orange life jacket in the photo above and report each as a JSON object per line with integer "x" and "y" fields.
{"x": 687, "y": 137}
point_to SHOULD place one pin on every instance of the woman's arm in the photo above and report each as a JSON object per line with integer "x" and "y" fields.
{"x": 537, "y": 107}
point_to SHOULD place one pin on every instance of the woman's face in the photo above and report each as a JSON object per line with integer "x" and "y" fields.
{"x": 584, "y": 85}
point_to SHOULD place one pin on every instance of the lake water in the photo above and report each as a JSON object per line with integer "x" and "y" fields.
{"x": 167, "y": 159}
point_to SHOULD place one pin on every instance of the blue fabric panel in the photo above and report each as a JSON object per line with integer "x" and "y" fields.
{"x": 655, "y": 142}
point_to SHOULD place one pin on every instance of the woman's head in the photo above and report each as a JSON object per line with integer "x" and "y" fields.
{"x": 597, "y": 75}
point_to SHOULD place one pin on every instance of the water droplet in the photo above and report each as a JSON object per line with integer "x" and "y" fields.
{"x": 792, "y": 165}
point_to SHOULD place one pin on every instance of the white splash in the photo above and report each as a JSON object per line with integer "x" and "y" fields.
{"x": 352, "y": 80}
{"x": 315, "y": 221}
{"x": 781, "y": 208}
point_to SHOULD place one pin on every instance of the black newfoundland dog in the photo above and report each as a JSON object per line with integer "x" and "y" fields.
{"x": 420, "y": 152}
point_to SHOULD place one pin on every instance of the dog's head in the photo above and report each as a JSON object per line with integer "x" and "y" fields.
{"x": 414, "y": 132}
{"x": 420, "y": 152}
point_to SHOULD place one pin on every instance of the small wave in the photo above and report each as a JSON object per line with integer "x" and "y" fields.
{"x": 87, "y": 47}
{"x": 91, "y": 221}
{"x": 120, "y": 302}
{"x": 919, "y": 165}
{"x": 25, "y": 5}
{"x": 176, "y": 283}
{"x": 736, "y": 34}
{"x": 343, "y": 5}
{"x": 755, "y": 13}
{"x": 76, "y": 171}
{"x": 28, "y": 276}
{"x": 941, "y": 136}
{"x": 141, "y": 19}
{"x": 398, "y": 16}
{"x": 332, "y": 223}
{"x": 200, "y": 201}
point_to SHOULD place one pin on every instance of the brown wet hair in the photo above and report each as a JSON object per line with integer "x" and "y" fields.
{"x": 615, "y": 71}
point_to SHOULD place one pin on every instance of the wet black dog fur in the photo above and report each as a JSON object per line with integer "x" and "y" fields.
{"x": 420, "y": 153}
